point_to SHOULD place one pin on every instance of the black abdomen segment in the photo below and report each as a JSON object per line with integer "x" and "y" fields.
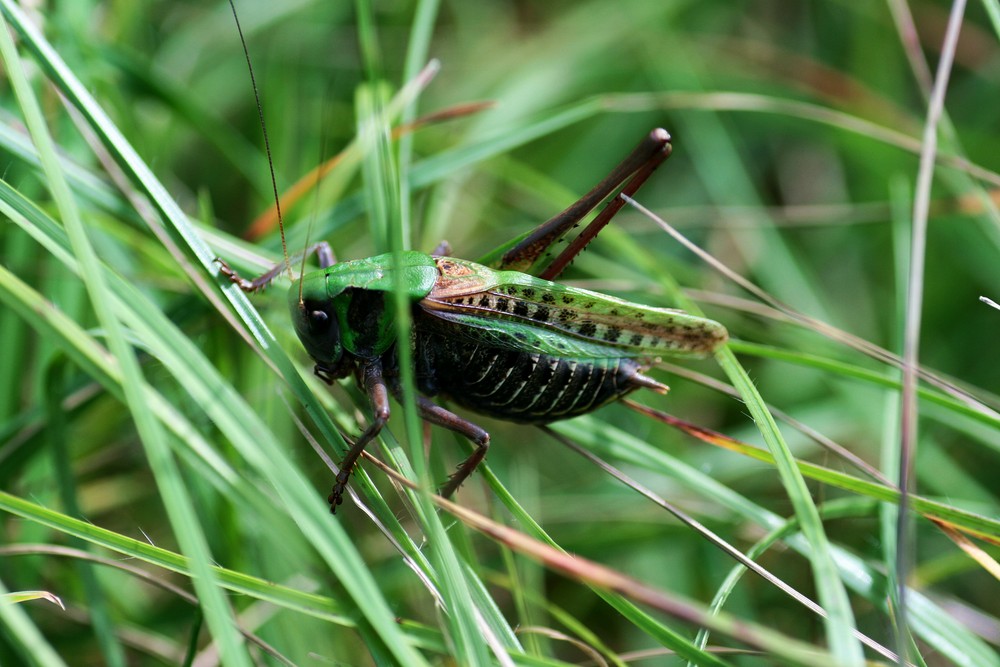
{"x": 519, "y": 386}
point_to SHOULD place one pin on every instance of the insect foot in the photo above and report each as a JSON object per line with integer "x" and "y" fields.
{"x": 248, "y": 286}
{"x": 336, "y": 496}
{"x": 230, "y": 273}
{"x": 466, "y": 467}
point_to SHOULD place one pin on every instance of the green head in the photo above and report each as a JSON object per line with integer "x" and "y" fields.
{"x": 344, "y": 312}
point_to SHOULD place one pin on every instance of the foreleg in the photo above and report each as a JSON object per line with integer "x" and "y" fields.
{"x": 371, "y": 378}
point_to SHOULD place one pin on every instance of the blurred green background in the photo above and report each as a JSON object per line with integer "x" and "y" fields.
{"x": 797, "y": 129}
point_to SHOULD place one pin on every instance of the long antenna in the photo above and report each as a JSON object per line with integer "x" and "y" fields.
{"x": 312, "y": 218}
{"x": 267, "y": 143}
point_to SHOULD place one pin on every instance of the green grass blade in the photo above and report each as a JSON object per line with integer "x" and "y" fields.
{"x": 177, "y": 502}
{"x": 789, "y": 153}
{"x": 34, "y": 649}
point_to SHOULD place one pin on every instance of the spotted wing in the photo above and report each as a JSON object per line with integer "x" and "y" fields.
{"x": 515, "y": 309}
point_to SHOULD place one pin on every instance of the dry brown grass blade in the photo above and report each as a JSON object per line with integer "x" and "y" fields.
{"x": 607, "y": 579}
{"x": 267, "y": 221}
{"x": 973, "y": 550}
{"x": 717, "y": 439}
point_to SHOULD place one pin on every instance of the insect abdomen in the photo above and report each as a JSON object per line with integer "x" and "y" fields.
{"x": 520, "y": 386}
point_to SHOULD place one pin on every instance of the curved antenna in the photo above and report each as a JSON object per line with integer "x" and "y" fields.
{"x": 267, "y": 143}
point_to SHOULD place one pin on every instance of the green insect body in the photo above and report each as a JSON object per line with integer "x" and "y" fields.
{"x": 497, "y": 341}
{"x": 340, "y": 309}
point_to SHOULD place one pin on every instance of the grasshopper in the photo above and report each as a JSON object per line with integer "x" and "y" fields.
{"x": 497, "y": 336}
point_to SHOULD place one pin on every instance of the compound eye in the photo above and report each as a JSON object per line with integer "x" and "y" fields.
{"x": 319, "y": 319}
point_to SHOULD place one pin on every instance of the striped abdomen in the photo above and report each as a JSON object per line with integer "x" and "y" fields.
{"x": 517, "y": 385}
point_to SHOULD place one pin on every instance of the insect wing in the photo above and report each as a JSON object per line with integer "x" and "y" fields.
{"x": 547, "y": 317}
{"x": 512, "y": 335}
